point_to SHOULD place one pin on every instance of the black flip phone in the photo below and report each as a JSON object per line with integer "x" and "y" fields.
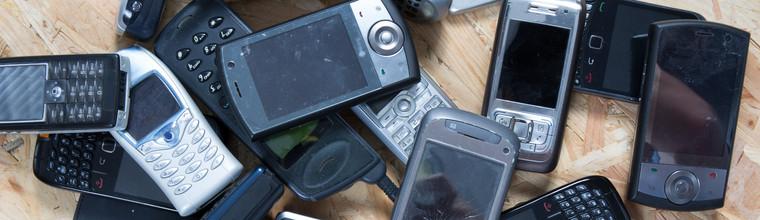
{"x": 139, "y": 18}
{"x": 250, "y": 198}
{"x": 321, "y": 157}
{"x": 308, "y": 67}
{"x": 592, "y": 197}
{"x": 64, "y": 94}
{"x": 613, "y": 49}
{"x": 688, "y": 115}
{"x": 94, "y": 163}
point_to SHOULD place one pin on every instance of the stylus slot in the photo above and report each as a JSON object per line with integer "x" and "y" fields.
{"x": 237, "y": 88}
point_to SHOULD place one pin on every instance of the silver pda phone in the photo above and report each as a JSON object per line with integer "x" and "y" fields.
{"x": 64, "y": 94}
{"x": 532, "y": 66}
{"x": 395, "y": 118}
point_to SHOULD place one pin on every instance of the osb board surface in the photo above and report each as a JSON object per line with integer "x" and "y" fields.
{"x": 456, "y": 52}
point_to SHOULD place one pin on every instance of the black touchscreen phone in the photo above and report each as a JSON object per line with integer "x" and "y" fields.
{"x": 611, "y": 63}
{"x": 94, "y": 163}
{"x": 92, "y": 207}
{"x": 688, "y": 115}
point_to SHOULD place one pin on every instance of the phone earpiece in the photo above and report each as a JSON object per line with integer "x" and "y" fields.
{"x": 425, "y": 10}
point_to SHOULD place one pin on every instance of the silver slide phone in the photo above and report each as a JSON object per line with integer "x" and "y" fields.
{"x": 395, "y": 118}
{"x": 434, "y": 10}
{"x": 460, "y": 168}
{"x": 532, "y": 67}
{"x": 170, "y": 139}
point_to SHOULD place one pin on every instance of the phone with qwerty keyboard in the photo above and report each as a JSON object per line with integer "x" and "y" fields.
{"x": 592, "y": 197}
{"x": 63, "y": 94}
{"x": 94, "y": 163}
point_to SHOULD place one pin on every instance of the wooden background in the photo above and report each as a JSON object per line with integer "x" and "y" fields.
{"x": 456, "y": 52}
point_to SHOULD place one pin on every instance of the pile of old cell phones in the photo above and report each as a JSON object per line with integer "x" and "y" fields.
{"x": 279, "y": 91}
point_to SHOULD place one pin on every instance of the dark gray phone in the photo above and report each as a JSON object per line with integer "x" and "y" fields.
{"x": 460, "y": 168}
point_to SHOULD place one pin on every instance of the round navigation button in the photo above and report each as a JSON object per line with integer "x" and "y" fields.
{"x": 681, "y": 187}
{"x": 385, "y": 38}
{"x": 404, "y": 106}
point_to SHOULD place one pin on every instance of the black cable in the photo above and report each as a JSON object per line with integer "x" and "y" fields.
{"x": 389, "y": 188}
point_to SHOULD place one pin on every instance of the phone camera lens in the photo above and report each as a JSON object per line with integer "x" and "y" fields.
{"x": 505, "y": 150}
{"x": 230, "y": 64}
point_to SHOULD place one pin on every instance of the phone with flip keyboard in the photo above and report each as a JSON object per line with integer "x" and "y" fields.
{"x": 64, "y": 94}
{"x": 188, "y": 47}
{"x": 592, "y": 197}
{"x": 395, "y": 118}
{"x": 93, "y": 163}
{"x": 170, "y": 139}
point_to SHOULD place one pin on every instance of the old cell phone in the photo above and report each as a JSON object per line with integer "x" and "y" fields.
{"x": 434, "y": 10}
{"x": 321, "y": 157}
{"x": 250, "y": 198}
{"x": 395, "y": 117}
{"x": 170, "y": 139}
{"x": 611, "y": 61}
{"x": 460, "y": 168}
{"x": 64, "y": 94}
{"x": 308, "y": 67}
{"x": 292, "y": 216}
{"x": 532, "y": 66}
{"x": 591, "y": 197}
{"x": 91, "y": 207}
{"x": 92, "y": 163}
{"x": 687, "y": 119}
{"x": 139, "y": 18}
{"x": 187, "y": 45}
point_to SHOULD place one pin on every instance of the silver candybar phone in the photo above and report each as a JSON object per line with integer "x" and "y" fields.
{"x": 170, "y": 139}
{"x": 460, "y": 168}
{"x": 395, "y": 118}
{"x": 64, "y": 94}
{"x": 532, "y": 67}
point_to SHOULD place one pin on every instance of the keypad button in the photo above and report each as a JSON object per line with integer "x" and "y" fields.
{"x": 538, "y": 138}
{"x": 73, "y": 163}
{"x": 198, "y": 136}
{"x": 175, "y": 180}
{"x": 581, "y": 187}
{"x": 152, "y": 157}
{"x": 182, "y": 189}
{"x": 586, "y": 196}
{"x": 597, "y": 192}
{"x": 51, "y": 165}
{"x": 60, "y": 179}
{"x": 433, "y": 103}
{"x": 527, "y": 147}
{"x": 84, "y": 185}
{"x": 192, "y": 126}
{"x": 580, "y": 208}
{"x": 183, "y": 53}
{"x": 180, "y": 150}
{"x": 89, "y": 147}
{"x": 226, "y": 33}
{"x": 193, "y": 167}
{"x": 401, "y": 134}
{"x": 84, "y": 165}
{"x": 193, "y": 65}
{"x": 416, "y": 119}
{"x": 215, "y": 22}
{"x": 199, "y": 37}
{"x": 504, "y": 120}
{"x": 215, "y": 87}
{"x": 186, "y": 159}
{"x": 217, "y": 161}
{"x": 591, "y": 203}
{"x": 596, "y": 212}
{"x": 84, "y": 175}
{"x": 72, "y": 181}
{"x": 569, "y": 212}
{"x": 199, "y": 175}
{"x": 210, "y": 48}
{"x": 575, "y": 199}
{"x": 522, "y": 130}
{"x": 169, "y": 172}
{"x": 558, "y": 197}
{"x": 211, "y": 152}
{"x": 204, "y": 76}
{"x": 61, "y": 169}
{"x": 407, "y": 142}
{"x": 161, "y": 165}
{"x": 204, "y": 145}
{"x": 585, "y": 216}
{"x": 602, "y": 203}
{"x": 61, "y": 159}
{"x": 570, "y": 192}
{"x": 542, "y": 147}
{"x": 564, "y": 204}
{"x": 540, "y": 127}
{"x": 387, "y": 118}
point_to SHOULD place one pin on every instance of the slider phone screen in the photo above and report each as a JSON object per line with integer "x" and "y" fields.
{"x": 313, "y": 63}
{"x": 451, "y": 184}
{"x": 692, "y": 102}
{"x": 533, "y": 63}
{"x": 152, "y": 105}
{"x": 22, "y": 88}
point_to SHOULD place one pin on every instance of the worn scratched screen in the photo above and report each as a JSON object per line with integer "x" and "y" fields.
{"x": 304, "y": 67}
{"x": 452, "y": 184}
{"x": 22, "y": 90}
{"x": 152, "y": 104}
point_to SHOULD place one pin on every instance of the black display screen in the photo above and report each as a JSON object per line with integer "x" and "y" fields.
{"x": 132, "y": 180}
{"x": 305, "y": 66}
{"x": 531, "y": 72}
{"x": 451, "y": 184}
{"x": 22, "y": 90}
{"x": 624, "y": 67}
{"x": 152, "y": 104}
{"x": 693, "y": 102}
